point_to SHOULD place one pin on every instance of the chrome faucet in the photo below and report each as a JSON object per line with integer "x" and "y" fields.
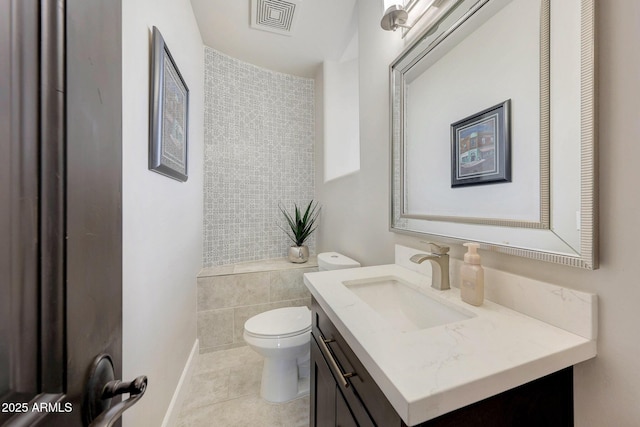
{"x": 439, "y": 259}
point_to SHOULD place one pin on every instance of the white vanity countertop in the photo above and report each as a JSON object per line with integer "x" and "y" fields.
{"x": 429, "y": 372}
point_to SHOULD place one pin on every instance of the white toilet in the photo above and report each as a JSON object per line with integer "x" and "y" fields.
{"x": 282, "y": 337}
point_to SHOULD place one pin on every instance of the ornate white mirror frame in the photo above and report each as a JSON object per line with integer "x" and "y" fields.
{"x": 561, "y": 223}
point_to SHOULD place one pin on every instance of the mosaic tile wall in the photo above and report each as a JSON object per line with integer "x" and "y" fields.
{"x": 259, "y": 135}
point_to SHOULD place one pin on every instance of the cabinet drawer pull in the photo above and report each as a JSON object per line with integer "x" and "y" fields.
{"x": 342, "y": 376}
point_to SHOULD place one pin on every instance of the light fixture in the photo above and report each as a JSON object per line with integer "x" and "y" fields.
{"x": 394, "y": 15}
{"x": 407, "y": 13}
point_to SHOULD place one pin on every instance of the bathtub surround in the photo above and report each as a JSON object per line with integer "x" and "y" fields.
{"x": 259, "y": 151}
{"x": 229, "y": 295}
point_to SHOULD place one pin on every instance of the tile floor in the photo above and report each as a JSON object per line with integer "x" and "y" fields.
{"x": 225, "y": 392}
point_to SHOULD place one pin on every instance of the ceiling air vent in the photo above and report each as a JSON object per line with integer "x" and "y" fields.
{"x": 275, "y": 16}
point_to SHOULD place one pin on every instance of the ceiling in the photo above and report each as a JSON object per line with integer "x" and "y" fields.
{"x": 322, "y": 31}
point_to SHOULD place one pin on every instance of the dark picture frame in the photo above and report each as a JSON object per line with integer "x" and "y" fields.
{"x": 481, "y": 147}
{"x": 169, "y": 107}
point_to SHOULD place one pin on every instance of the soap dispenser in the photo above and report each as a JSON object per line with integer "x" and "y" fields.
{"x": 472, "y": 276}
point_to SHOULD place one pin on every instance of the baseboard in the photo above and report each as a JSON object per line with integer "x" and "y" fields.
{"x": 171, "y": 417}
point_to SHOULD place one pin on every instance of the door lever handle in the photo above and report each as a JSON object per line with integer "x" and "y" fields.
{"x": 116, "y": 387}
{"x": 101, "y": 387}
{"x": 135, "y": 388}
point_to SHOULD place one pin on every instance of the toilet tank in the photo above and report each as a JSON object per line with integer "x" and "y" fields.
{"x": 335, "y": 261}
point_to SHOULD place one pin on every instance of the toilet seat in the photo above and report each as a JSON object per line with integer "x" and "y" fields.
{"x": 279, "y": 323}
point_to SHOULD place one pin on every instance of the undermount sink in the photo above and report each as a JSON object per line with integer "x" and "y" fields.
{"x": 403, "y": 307}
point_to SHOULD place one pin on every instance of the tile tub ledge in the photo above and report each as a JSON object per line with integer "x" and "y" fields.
{"x": 273, "y": 264}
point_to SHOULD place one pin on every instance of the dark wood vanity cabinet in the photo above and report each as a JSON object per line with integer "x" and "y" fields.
{"x": 336, "y": 400}
{"x": 328, "y": 407}
{"x": 344, "y": 394}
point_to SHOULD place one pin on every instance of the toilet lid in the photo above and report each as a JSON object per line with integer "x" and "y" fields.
{"x": 280, "y": 322}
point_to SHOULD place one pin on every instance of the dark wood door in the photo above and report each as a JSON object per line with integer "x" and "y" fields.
{"x": 60, "y": 204}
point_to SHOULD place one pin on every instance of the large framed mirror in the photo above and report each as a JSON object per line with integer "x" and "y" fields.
{"x": 493, "y": 133}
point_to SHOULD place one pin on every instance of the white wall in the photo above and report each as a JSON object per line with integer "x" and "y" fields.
{"x": 354, "y": 218}
{"x": 341, "y": 129}
{"x": 355, "y": 213}
{"x": 162, "y": 218}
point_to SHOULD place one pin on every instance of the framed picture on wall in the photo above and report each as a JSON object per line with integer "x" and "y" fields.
{"x": 169, "y": 108}
{"x": 480, "y": 147}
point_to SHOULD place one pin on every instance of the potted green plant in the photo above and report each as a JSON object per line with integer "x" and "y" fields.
{"x": 301, "y": 225}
